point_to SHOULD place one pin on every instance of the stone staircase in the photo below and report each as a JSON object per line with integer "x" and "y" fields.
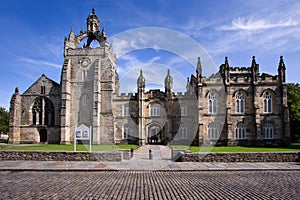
{"x": 159, "y": 152}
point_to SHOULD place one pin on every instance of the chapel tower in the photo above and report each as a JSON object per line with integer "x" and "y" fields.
{"x": 89, "y": 78}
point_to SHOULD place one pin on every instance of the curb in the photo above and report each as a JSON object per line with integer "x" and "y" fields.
{"x": 141, "y": 170}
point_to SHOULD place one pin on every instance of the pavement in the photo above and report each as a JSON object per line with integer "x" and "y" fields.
{"x": 161, "y": 161}
{"x": 150, "y": 185}
{"x": 143, "y": 165}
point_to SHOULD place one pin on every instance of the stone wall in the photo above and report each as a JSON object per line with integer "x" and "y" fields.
{"x": 61, "y": 156}
{"x": 240, "y": 157}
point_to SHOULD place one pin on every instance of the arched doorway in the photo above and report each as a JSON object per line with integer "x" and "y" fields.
{"x": 154, "y": 134}
{"x": 43, "y": 136}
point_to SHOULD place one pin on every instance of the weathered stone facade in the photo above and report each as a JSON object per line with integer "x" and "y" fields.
{"x": 235, "y": 106}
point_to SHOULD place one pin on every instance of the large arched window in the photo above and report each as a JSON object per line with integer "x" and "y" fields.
{"x": 239, "y": 102}
{"x": 240, "y": 132}
{"x": 267, "y": 102}
{"x": 43, "y": 112}
{"x": 154, "y": 110}
{"x": 267, "y": 130}
{"x": 212, "y": 103}
{"x": 213, "y": 132}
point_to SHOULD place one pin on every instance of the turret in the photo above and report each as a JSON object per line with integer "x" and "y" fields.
{"x": 281, "y": 70}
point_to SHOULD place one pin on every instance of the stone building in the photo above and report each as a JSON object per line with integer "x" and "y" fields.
{"x": 235, "y": 106}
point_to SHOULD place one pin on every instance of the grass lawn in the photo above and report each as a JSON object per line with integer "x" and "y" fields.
{"x": 70, "y": 147}
{"x": 293, "y": 148}
{"x": 80, "y": 147}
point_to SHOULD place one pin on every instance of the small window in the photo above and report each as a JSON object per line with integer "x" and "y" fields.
{"x": 212, "y": 103}
{"x": 126, "y": 110}
{"x": 240, "y": 132}
{"x": 183, "y": 111}
{"x": 84, "y": 75}
{"x": 43, "y": 88}
{"x": 155, "y": 110}
{"x": 183, "y": 132}
{"x": 267, "y": 130}
{"x": 126, "y": 131}
{"x": 213, "y": 132}
{"x": 84, "y": 99}
{"x": 267, "y": 102}
{"x": 240, "y": 102}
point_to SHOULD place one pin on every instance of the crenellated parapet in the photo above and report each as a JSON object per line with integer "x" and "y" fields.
{"x": 124, "y": 96}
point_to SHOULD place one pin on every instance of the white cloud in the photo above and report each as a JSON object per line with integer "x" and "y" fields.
{"x": 39, "y": 63}
{"x": 242, "y": 23}
{"x": 154, "y": 59}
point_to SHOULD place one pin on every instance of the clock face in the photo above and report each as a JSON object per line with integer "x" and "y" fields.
{"x": 85, "y": 63}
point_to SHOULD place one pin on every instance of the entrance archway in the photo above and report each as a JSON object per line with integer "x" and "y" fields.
{"x": 43, "y": 136}
{"x": 154, "y": 134}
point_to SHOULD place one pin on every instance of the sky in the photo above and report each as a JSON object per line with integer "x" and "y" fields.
{"x": 32, "y": 36}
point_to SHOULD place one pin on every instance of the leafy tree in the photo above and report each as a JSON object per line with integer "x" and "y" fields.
{"x": 4, "y": 116}
{"x": 293, "y": 90}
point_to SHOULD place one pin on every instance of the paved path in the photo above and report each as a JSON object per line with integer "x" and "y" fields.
{"x": 150, "y": 185}
{"x": 142, "y": 165}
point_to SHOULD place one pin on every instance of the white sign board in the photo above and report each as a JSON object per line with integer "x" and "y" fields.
{"x": 82, "y": 132}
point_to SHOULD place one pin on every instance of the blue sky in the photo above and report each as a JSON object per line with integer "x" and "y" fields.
{"x": 32, "y": 34}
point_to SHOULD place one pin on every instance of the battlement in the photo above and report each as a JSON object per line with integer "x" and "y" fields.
{"x": 268, "y": 78}
{"x": 240, "y": 70}
{"x": 124, "y": 96}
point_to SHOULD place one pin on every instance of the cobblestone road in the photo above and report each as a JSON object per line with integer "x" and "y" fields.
{"x": 150, "y": 185}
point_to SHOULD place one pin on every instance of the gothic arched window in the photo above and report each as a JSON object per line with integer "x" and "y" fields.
{"x": 240, "y": 132}
{"x": 213, "y": 132}
{"x": 212, "y": 103}
{"x": 267, "y": 102}
{"x": 240, "y": 102}
{"x": 154, "y": 110}
{"x": 43, "y": 112}
{"x": 267, "y": 130}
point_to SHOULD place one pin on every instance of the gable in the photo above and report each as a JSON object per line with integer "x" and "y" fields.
{"x": 51, "y": 87}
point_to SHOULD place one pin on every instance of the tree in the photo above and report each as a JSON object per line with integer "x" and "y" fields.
{"x": 293, "y": 90}
{"x": 4, "y": 117}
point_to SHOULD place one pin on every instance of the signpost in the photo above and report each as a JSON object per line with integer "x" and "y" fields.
{"x": 83, "y": 132}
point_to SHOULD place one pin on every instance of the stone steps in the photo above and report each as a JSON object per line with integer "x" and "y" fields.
{"x": 159, "y": 152}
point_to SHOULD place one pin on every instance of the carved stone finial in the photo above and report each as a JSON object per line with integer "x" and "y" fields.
{"x": 103, "y": 33}
{"x": 281, "y": 63}
{"x": 93, "y": 11}
{"x": 199, "y": 63}
{"x": 141, "y": 80}
{"x": 16, "y": 90}
{"x": 226, "y": 61}
{"x": 254, "y": 65}
{"x": 281, "y": 59}
{"x": 253, "y": 59}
